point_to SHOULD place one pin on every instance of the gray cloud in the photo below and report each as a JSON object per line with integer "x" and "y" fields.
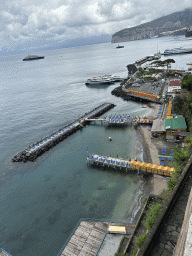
{"x": 70, "y": 19}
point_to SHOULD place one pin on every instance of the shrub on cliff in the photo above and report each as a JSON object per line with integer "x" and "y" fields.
{"x": 141, "y": 240}
{"x": 172, "y": 181}
{"x": 180, "y": 155}
{"x": 152, "y": 214}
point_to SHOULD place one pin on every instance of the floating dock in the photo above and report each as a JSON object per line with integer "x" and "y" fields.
{"x": 128, "y": 165}
{"x": 33, "y": 151}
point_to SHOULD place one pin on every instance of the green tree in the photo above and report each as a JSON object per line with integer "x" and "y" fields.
{"x": 168, "y": 62}
{"x": 187, "y": 82}
{"x": 158, "y": 63}
{"x": 181, "y": 155}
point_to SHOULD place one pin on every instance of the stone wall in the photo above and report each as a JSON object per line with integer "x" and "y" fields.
{"x": 164, "y": 234}
{"x": 182, "y": 242}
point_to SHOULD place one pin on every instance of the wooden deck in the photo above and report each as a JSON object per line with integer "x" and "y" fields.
{"x": 88, "y": 236}
{"x": 86, "y": 239}
{"x": 2, "y": 253}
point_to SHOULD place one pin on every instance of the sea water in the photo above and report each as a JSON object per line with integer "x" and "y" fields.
{"x": 42, "y": 201}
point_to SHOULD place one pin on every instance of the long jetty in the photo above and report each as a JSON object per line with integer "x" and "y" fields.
{"x": 128, "y": 165}
{"x": 122, "y": 120}
{"x": 35, "y": 150}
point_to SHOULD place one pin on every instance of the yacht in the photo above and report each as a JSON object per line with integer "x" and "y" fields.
{"x": 33, "y": 57}
{"x": 179, "y": 50}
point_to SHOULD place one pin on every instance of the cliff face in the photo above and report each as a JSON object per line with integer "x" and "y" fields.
{"x": 174, "y": 24}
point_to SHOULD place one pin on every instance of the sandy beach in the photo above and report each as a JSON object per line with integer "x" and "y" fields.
{"x": 152, "y": 148}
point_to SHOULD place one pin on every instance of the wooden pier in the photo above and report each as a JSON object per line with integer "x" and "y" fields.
{"x": 114, "y": 120}
{"x": 4, "y": 253}
{"x": 89, "y": 236}
{"x": 128, "y": 165}
{"x": 35, "y": 150}
{"x": 122, "y": 120}
{"x": 109, "y": 162}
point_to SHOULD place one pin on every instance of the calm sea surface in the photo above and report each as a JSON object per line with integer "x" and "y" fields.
{"x": 42, "y": 201}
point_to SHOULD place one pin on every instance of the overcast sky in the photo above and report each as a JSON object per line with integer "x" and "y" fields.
{"x": 46, "y": 21}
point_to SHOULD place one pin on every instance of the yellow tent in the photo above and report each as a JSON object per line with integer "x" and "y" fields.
{"x": 149, "y": 167}
{"x": 133, "y": 164}
{"x": 154, "y": 168}
{"x": 159, "y": 170}
{"x": 143, "y": 167}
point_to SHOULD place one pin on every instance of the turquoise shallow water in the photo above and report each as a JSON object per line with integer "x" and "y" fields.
{"x": 42, "y": 201}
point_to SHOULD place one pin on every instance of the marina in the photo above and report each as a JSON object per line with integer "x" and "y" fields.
{"x": 141, "y": 61}
{"x": 42, "y": 201}
{"x": 32, "y": 152}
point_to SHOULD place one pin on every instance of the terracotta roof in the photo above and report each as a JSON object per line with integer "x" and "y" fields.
{"x": 174, "y": 83}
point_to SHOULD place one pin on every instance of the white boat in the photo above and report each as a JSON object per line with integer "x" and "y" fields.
{"x": 103, "y": 80}
{"x": 157, "y": 56}
{"x": 179, "y": 50}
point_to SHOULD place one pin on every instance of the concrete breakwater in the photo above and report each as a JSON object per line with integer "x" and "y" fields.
{"x": 35, "y": 150}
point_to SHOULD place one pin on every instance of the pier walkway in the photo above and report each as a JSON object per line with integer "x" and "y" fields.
{"x": 122, "y": 120}
{"x": 128, "y": 165}
{"x": 35, "y": 150}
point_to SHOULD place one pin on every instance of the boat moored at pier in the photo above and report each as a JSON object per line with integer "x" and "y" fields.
{"x": 179, "y": 50}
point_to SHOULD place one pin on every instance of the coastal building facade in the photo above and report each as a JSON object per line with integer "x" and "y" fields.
{"x": 173, "y": 126}
{"x": 173, "y": 88}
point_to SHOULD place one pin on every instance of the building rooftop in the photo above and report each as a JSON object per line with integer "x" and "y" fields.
{"x": 174, "y": 83}
{"x": 176, "y": 123}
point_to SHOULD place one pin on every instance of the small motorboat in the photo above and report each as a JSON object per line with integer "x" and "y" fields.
{"x": 110, "y": 138}
{"x": 120, "y": 46}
